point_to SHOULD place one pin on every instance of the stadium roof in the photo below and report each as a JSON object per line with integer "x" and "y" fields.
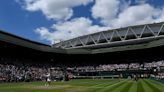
{"x": 10, "y": 38}
{"x": 123, "y": 39}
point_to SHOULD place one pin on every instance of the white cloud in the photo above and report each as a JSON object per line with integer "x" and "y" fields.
{"x": 160, "y": 14}
{"x": 70, "y": 29}
{"x": 54, "y": 9}
{"x": 112, "y": 14}
{"x": 134, "y": 15}
{"x": 105, "y": 9}
{"x": 108, "y": 10}
{"x": 130, "y": 15}
{"x": 45, "y": 34}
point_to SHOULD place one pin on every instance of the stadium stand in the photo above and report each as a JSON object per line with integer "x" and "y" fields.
{"x": 25, "y": 60}
{"x": 24, "y": 72}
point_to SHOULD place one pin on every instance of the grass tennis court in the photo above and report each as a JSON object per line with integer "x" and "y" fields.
{"x": 86, "y": 85}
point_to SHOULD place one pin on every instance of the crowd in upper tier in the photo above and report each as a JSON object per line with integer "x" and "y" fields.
{"x": 119, "y": 67}
{"x": 13, "y": 72}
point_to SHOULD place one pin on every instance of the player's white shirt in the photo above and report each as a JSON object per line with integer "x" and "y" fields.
{"x": 48, "y": 75}
{"x": 48, "y": 79}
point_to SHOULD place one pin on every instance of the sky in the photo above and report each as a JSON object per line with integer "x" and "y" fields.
{"x": 52, "y": 21}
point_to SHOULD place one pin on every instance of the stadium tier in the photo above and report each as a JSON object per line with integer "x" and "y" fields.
{"x": 138, "y": 44}
{"x": 142, "y": 43}
{"x": 119, "y": 60}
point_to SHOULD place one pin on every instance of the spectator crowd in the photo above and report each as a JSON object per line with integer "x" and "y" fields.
{"x": 16, "y": 73}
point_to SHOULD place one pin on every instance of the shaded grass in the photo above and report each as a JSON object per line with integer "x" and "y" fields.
{"x": 157, "y": 83}
{"x": 140, "y": 86}
{"x": 102, "y": 86}
{"x": 111, "y": 89}
{"x": 127, "y": 87}
{"x": 154, "y": 89}
{"x": 86, "y": 85}
{"x": 133, "y": 87}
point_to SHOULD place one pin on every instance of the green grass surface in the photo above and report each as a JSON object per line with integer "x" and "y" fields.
{"x": 86, "y": 85}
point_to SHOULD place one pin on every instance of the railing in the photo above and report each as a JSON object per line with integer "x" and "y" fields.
{"x": 131, "y": 33}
